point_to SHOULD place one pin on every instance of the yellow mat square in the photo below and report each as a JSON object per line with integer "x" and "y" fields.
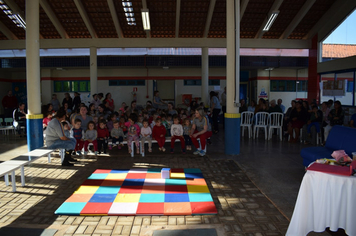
{"x": 127, "y": 197}
{"x": 116, "y": 176}
{"x": 86, "y": 189}
{"x": 177, "y": 175}
{"x": 198, "y": 189}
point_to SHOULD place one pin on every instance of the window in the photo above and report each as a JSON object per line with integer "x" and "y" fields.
{"x": 282, "y": 85}
{"x": 71, "y": 86}
{"x": 302, "y": 86}
{"x": 192, "y": 82}
{"x": 127, "y": 82}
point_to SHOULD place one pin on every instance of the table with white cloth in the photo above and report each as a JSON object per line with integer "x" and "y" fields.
{"x": 324, "y": 200}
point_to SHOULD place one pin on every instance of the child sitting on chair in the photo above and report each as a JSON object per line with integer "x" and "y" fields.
{"x": 177, "y": 133}
{"x": 133, "y": 132}
{"x": 78, "y": 135}
{"x": 146, "y": 133}
{"x": 117, "y": 136}
{"x": 159, "y": 133}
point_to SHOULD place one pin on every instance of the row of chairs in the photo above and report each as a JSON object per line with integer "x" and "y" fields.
{"x": 6, "y": 125}
{"x": 264, "y": 120}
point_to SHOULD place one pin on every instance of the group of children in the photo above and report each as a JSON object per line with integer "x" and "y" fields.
{"x": 105, "y": 135}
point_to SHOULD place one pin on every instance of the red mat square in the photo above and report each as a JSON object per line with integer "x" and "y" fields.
{"x": 96, "y": 208}
{"x": 176, "y": 189}
{"x": 150, "y": 208}
{"x": 203, "y": 208}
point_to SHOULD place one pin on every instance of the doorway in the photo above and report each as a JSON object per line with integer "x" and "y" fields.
{"x": 166, "y": 89}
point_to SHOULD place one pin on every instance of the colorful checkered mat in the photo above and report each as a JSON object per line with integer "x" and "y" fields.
{"x": 141, "y": 192}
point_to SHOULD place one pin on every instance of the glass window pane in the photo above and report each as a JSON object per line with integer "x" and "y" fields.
{"x": 66, "y": 86}
{"x": 274, "y": 85}
{"x": 75, "y": 86}
{"x": 57, "y": 86}
{"x": 341, "y": 88}
{"x": 282, "y": 85}
{"x": 290, "y": 86}
{"x": 131, "y": 82}
{"x": 82, "y": 86}
{"x": 141, "y": 82}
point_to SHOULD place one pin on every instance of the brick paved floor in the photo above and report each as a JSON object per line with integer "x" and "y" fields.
{"x": 242, "y": 208}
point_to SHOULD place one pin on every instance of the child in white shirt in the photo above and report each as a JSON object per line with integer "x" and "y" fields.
{"x": 146, "y": 133}
{"x": 177, "y": 133}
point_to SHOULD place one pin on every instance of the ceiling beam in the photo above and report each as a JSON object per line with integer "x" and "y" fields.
{"x": 332, "y": 19}
{"x": 16, "y": 10}
{"x": 275, "y": 6}
{"x": 52, "y": 16}
{"x": 177, "y": 17}
{"x": 209, "y": 17}
{"x": 244, "y": 4}
{"x": 300, "y": 15}
{"x": 85, "y": 18}
{"x": 8, "y": 33}
{"x": 158, "y": 42}
{"x": 115, "y": 18}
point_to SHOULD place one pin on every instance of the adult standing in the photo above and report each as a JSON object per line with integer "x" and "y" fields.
{"x": 110, "y": 102}
{"x": 9, "y": 103}
{"x": 279, "y": 102}
{"x": 215, "y": 108}
{"x": 158, "y": 103}
{"x": 200, "y": 129}
{"x": 20, "y": 119}
{"x": 68, "y": 99}
{"x": 85, "y": 119}
{"x": 76, "y": 101}
{"x": 298, "y": 119}
{"x": 55, "y": 103}
{"x": 56, "y": 139}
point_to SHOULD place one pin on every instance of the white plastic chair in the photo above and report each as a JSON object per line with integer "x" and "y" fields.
{"x": 246, "y": 121}
{"x": 261, "y": 121}
{"x": 275, "y": 121}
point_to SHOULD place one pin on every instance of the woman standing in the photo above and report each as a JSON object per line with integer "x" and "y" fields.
{"x": 336, "y": 117}
{"x": 200, "y": 129}
{"x": 215, "y": 108}
{"x": 110, "y": 102}
{"x": 68, "y": 99}
{"x": 298, "y": 119}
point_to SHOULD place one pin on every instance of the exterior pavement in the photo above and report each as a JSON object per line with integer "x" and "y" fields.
{"x": 254, "y": 192}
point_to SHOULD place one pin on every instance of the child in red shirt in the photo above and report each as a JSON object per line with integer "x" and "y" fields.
{"x": 103, "y": 135}
{"x": 159, "y": 133}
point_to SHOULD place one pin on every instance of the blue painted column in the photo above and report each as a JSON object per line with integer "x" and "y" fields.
{"x": 33, "y": 76}
{"x": 34, "y": 131}
{"x": 232, "y": 133}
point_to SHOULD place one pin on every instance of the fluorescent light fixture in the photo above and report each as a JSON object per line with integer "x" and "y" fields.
{"x": 270, "y": 21}
{"x": 129, "y": 14}
{"x": 128, "y": 9}
{"x": 145, "y": 19}
{"x": 20, "y": 21}
{"x": 127, "y": 4}
{"x": 15, "y": 18}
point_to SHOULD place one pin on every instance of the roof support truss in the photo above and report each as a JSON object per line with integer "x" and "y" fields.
{"x": 57, "y": 24}
{"x": 115, "y": 18}
{"x": 300, "y": 15}
{"x": 209, "y": 17}
{"x": 85, "y": 18}
{"x": 244, "y": 4}
{"x": 177, "y": 18}
{"x": 8, "y": 33}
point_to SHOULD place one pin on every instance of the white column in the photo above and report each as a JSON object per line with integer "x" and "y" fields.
{"x": 33, "y": 57}
{"x": 237, "y": 53}
{"x": 205, "y": 76}
{"x": 93, "y": 71}
{"x": 230, "y": 57}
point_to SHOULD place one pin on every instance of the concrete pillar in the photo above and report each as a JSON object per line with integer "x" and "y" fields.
{"x": 93, "y": 71}
{"x": 205, "y": 76}
{"x": 232, "y": 116}
{"x": 33, "y": 80}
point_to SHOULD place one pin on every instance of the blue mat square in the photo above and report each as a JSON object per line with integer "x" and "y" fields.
{"x": 108, "y": 190}
{"x": 103, "y": 198}
{"x": 154, "y": 197}
{"x": 119, "y": 171}
{"x": 133, "y": 182}
{"x": 176, "y": 197}
{"x": 194, "y": 175}
{"x": 98, "y": 176}
{"x": 176, "y": 182}
{"x": 200, "y": 197}
{"x": 70, "y": 208}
